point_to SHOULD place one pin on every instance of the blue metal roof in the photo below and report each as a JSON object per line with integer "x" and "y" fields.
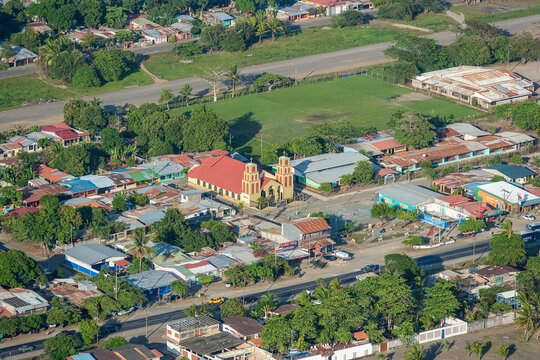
{"x": 77, "y": 185}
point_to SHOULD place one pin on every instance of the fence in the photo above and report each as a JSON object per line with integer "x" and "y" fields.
{"x": 498, "y": 320}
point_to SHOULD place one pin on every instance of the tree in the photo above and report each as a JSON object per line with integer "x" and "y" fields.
{"x": 404, "y": 266}
{"x": 86, "y": 76}
{"x": 214, "y": 77}
{"x": 115, "y": 341}
{"x": 88, "y": 330}
{"x": 166, "y": 97}
{"x": 125, "y": 35}
{"x": 275, "y": 26}
{"x": 232, "y": 307}
{"x": 415, "y": 353}
{"x": 115, "y": 17}
{"x": 111, "y": 139}
{"x": 19, "y": 270}
{"x": 119, "y": 202}
{"x": 110, "y": 65}
{"x": 526, "y": 316}
{"x": 504, "y": 351}
{"x": 402, "y": 10}
{"x": 414, "y": 130}
{"x": 180, "y": 287}
{"x": 235, "y": 77}
{"x": 478, "y": 349}
{"x": 261, "y": 29}
{"x": 507, "y": 250}
{"x": 526, "y": 115}
{"x": 471, "y": 225}
{"x": 470, "y": 50}
{"x": 413, "y": 240}
{"x": 65, "y": 65}
{"x": 61, "y": 346}
{"x": 204, "y": 130}
{"x": 442, "y": 301}
{"x": 516, "y": 159}
{"x": 326, "y": 187}
{"x": 382, "y": 211}
{"x": 92, "y": 12}
{"x": 188, "y": 49}
{"x": 64, "y": 18}
{"x": 363, "y": 172}
{"x": 348, "y": 18}
{"x": 140, "y": 248}
{"x": 213, "y": 36}
{"x": 271, "y": 80}
{"x": 185, "y": 92}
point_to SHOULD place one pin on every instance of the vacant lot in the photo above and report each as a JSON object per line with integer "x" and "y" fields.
{"x": 282, "y": 114}
{"x": 496, "y": 10}
{"x": 15, "y": 91}
{"x": 308, "y": 42}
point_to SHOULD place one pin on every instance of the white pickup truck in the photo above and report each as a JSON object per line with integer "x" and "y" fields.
{"x": 344, "y": 255}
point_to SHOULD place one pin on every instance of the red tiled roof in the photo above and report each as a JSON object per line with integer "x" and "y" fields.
{"x": 196, "y": 265}
{"x": 223, "y": 172}
{"x": 386, "y": 144}
{"x": 385, "y": 171}
{"x": 219, "y": 152}
{"x": 52, "y": 129}
{"x": 360, "y": 335}
{"x": 122, "y": 262}
{"x": 454, "y": 199}
{"x": 475, "y": 208}
{"x": 51, "y": 174}
{"x": 311, "y": 225}
{"x": 11, "y": 146}
{"x": 5, "y": 312}
{"x": 21, "y": 211}
{"x": 10, "y": 161}
{"x": 34, "y": 193}
{"x": 184, "y": 160}
{"x": 67, "y": 135}
{"x": 327, "y": 3}
{"x": 156, "y": 353}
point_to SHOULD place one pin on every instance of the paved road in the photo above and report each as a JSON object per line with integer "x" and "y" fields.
{"x": 320, "y": 63}
{"x": 435, "y": 259}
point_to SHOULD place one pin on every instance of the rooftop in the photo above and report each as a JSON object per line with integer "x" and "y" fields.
{"x": 512, "y": 171}
{"x": 150, "y": 279}
{"x": 245, "y": 326}
{"x": 510, "y": 193}
{"x": 495, "y": 270}
{"x": 193, "y": 323}
{"x": 212, "y": 344}
{"x": 222, "y": 171}
{"x": 408, "y": 193}
{"x": 311, "y": 225}
{"x": 93, "y": 253}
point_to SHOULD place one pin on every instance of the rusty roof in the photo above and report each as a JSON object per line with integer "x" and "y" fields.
{"x": 311, "y": 225}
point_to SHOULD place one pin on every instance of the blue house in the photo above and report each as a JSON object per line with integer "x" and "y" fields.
{"x": 91, "y": 258}
{"x": 152, "y": 282}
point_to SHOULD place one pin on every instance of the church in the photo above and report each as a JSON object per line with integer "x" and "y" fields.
{"x": 243, "y": 182}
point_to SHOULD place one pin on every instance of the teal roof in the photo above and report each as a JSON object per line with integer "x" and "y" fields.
{"x": 512, "y": 171}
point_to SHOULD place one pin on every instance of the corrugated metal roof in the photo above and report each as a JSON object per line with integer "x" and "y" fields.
{"x": 510, "y": 193}
{"x": 93, "y": 253}
{"x": 408, "y": 193}
{"x": 150, "y": 279}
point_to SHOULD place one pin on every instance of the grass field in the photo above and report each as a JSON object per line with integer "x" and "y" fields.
{"x": 137, "y": 78}
{"x": 283, "y": 114}
{"x": 432, "y": 21}
{"x": 308, "y": 42}
{"x": 14, "y": 91}
{"x": 482, "y": 12}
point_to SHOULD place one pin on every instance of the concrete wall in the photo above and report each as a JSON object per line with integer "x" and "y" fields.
{"x": 491, "y": 322}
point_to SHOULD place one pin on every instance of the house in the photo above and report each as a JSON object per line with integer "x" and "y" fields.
{"x": 405, "y": 196}
{"x": 506, "y": 197}
{"x": 455, "y": 182}
{"x": 141, "y": 23}
{"x": 463, "y": 131}
{"x": 445, "y": 210}
{"x": 91, "y": 258}
{"x": 291, "y": 14}
{"x": 217, "y": 17}
{"x": 10, "y": 150}
{"x": 183, "y": 30}
{"x": 21, "y": 56}
{"x": 93, "y": 203}
{"x": 165, "y": 169}
{"x": 20, "y": 302}
{"x": 218, "y": 346}
{"x": 124, "y": 352}
{"x": 241, "y": 182}
{"x": 242, "y": 327}
{"x": 63, "y": 135}
{"x": 282, "y": 309}
{"x": 75, "y": 295}
{"x": 311, "y": 234}
{"x": 485, "y": 86}
{"x": 152, "y": 282}
{"x": 498, "y": 275}
{"x": 336, "y": 7}
{"x": 28, "y": 145}
{"x": 33, "y": 194}
{"x": 88, "y": 185}
{"x": 509, "y": 298}
{"x": 512, "y": 173}
{"x": 456, "y": 150}
{"x": 147, "y": 215}
{"x": 154, "y": 36}
{"x": 199, "y": 325}
{"x": 39, "y": 27}
{"x": 313, "y": 171}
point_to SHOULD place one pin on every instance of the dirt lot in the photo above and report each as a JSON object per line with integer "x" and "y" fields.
{"x": 490, "y": 338}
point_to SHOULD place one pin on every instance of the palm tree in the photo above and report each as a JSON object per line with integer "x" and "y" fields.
{"x": 270, "y": 298}
{"x": 507, "y": 228}
{"x": 139, "y": 247}
{"x": 185, "y": 91}
{"x": 335, "y": 284}
{"x": 415, "y": 353}
{"x": 274, "y": 26}
{"x": 526, "y": 315}
{"x": 478, "y": 349}
{"x": 262, "y": 29}
{"x": 166, "y": 97}
{"x": 468, "y": 348}
{"x": 235, "y": 77}
{"x": 261, "y": 16}
{"x": 53, "y": 48}
{"x": 504, "y": 351}
{"x": 322, "y": 293}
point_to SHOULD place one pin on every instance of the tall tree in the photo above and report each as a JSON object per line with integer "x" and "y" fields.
{"x": 442, "y": 301}
{"x": 235, "y": 77}
{"x": 507, "y": 250}
{"x": 166, "y": 97}
{"x": 214, "y": 77}
{"x": 140, "y": 248}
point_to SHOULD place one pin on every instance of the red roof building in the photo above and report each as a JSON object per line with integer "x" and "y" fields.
{"x": 389, "y": 146}
{"x": 242, "y": 182}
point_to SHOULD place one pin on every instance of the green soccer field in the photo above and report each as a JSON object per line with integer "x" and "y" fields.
{"x": 282, "y": 114}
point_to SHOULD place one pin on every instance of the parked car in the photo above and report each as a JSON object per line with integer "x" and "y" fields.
{"x": 25, "y": 348}
{"x": 329, "y": 257}
{"x": 110, "y": 328}
{"x": 228, "y": 284}
{"x": 371, "y": 268}
{"x": 217, "y": 300}
{"x": 529, "y": 217}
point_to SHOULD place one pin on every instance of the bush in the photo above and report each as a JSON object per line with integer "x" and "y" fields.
{"x": 326, "y": 187}
{"x": 413, "y": 240}
{"x": 188, "y": 49}
{"x": 86, "y": 76}
{"x": 348, "y": 18}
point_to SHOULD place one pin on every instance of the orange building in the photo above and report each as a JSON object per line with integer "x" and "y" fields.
{"x": 506, "y": 197}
